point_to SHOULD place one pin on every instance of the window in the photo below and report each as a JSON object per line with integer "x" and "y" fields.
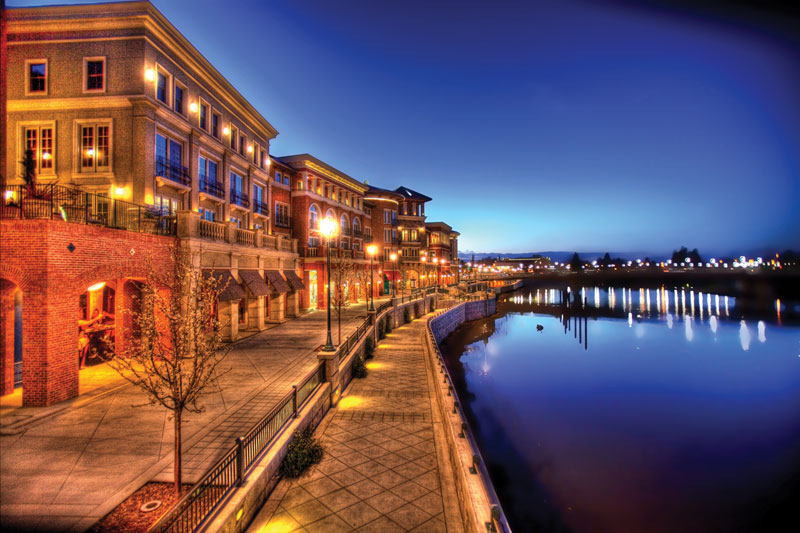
{"x": 285, "y": 179}
{"x": 39, "y": 140}
{"x": 178, "y": 103}
{"x": 236, "y": 182}
{"x": 162, "y": 86}
{"x": 36, "y": 76}
{"x": 234, "y": 137}
{"x": 258, "y": 200}
{"x": 204, "y": 116}
{"x": 281, "y": 215}
{"x": 356, "y": 226}
{"x": 207, "y": 169}
{"x": 277, "y": 176}
{"x": 387, "y": 236}
{"x": 207, "y": 214}
{"x": 95, "y": 147}
{"x": 166, "y": 205}
{"x": 313, "y": 217}
{"x": 94, "y": 74}
{"x": 169, "y": 157}
{"x": 389, "y": 216}
{"x": 215, "y": 124}
{"x": 236, "y": 221}
{"x": 242, "y": 143}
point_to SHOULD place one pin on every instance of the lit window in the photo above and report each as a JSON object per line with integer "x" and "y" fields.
{"x": 37, "y": 77}
{"x": 242, "y": 143}
{"x": 234, "y": 138}
{"x": 179, "y": 91}
{"x": 39, "y": 141}
{"x": 204, "y": 116}
{"x": 95, "y": 147}
{"x": 215, "y": 124}
{"x": 162, "y": 93}
{"x": 95, "y": 75}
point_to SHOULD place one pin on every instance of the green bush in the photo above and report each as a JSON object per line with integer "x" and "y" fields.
{"x": 406, "y": 315}
{"x": 359, "y": 367}
{"x": 303, "y": 451}
{"x": 369, "y": 347}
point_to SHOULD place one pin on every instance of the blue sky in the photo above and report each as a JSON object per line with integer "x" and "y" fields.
{"x": 533, "y": 125}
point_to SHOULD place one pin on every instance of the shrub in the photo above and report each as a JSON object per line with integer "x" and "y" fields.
{"x": 406, "y": 315}
{"x": 433, "y": 306}
{"x": 382, "y": 329}
{"x": 389, "y": 323}
{"x": 303, "y": 451}
{"x": 359, "y": 367}
{"x": 369, "y": 347}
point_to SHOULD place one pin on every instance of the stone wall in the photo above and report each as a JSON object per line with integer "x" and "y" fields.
{"x": 444, "y": 324}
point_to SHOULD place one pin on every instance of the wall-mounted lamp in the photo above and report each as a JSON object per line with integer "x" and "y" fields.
{"x": 226, "y": 130}
{"x": 193, "y": 107}
{"x": 150, "y": 74}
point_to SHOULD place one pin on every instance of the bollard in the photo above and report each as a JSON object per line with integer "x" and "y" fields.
{"x": 474, "y": 468}
{"x": 239, "y": 460}
{"x": 294, "y": 400}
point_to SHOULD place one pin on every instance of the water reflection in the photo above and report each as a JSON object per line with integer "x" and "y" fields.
{"x": 661, "y": 427}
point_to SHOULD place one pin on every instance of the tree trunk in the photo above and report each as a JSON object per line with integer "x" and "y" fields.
{"x": 177, "y": 453}
{"x": 340, "y": 326}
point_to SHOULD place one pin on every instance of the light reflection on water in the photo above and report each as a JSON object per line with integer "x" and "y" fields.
{"x": 644, "y": 423}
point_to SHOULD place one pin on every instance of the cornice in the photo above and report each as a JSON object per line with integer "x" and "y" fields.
{"x": 85, "y": 102}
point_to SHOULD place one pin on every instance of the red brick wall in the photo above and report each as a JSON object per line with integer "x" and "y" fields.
{"x": 36, "y": 258}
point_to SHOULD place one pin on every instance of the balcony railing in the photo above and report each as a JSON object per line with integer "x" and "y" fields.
{"x": 311, "y": 251}
{"x": 173, "y": 171}
{"x": 367, "y": 238}
{"x": 261, "y": 208}
{"x": 358, "y": 254}
{"x": 74, "y": 205}
{"x": 357, "y": 233}
{"x": 346, "y": 231}
{"x": 211, "y": 187}
{"x": 283, "y": 221}
{"x": 240, "y": 198}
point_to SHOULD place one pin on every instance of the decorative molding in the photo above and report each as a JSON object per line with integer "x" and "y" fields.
{"x": 80, "y": 102}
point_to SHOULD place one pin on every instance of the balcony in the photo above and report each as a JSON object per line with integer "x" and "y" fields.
{"x": 346, "y": 231}
{"x": 191, "y": 226}
{"x": 260, "y": 208}
{"x": 239, "y": 198}
{"x": 75, "y": 206}
{"x": 357, "y": 233}
{"x": 283, "y": 221}
{"x": 173, "y": 172}
{"x": 368, "y": 238}
{"x": 211, "y": 187}
{"x": 311, "y": 251}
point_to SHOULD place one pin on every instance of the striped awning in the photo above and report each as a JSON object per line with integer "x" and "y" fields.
{"x": 253, "y": 280}
{"x": 231, "y": 290}
{"x": 276, "y": 280}
{"x": 294, "y": 280}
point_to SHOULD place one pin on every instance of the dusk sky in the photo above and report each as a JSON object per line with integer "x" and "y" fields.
{"x": 533, "y": 125}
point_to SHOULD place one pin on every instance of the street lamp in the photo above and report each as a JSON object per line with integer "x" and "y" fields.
{"x": 371, "y": 250}
{"x": 328, "y": 228}
{"x": 393, "y": 258}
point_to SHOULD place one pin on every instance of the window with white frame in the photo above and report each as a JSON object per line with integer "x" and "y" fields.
{"x": 387, "y": 236}
{"x": 179, "y": 101}
{"x": 167, "y": 205}
{"x": 313, "y": 217}
{"x": 236, "y": 221}
{"x": 35, "y": 77}
{"x": 234, "y": 137}
{"x": 94, "y": 74}
{"x": 207, "y": 169}
{"x": 204, "y": 116}
{"x": 163, "y": 79}
{"x": 277, "y": 176}
{"x": 242, "y": 143}
{"x": 208, "y": 214}
{"x": 215, "y": 120}
{"x": 95, "y": 147}
{"x": 40, "y": 140}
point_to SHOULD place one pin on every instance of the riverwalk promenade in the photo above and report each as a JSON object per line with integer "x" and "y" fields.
{"x": 64, "y": 467}
{"x": 385, "y": 466}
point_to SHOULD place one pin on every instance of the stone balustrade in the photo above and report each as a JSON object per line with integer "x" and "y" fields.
{"x": 191, "y": 226}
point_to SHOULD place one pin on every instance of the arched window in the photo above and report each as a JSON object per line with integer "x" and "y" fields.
{"x": 343, "y": 223}
{"x": 330, "y": 214}
{"x": 313, "y": 217}
{"x": 356, "y": 226}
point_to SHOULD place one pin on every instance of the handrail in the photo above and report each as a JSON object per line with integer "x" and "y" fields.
{"x": 496, "y": 511}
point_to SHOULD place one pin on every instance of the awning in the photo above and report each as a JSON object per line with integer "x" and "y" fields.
{"x": 294, "y": 280}
{"x": 253, "y": 280}
{"x": 231, "y": 290}
{"x": 276, "y": 280}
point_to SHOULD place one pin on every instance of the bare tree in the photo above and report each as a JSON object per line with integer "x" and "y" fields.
{"x": 343, "y": 275}
{"x": 175, "y": 356}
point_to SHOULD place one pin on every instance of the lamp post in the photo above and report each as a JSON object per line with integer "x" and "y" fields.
{"x": 328, "y": 228}
{"x": 371, "y": 249}
{"x": 436, "y": 267}
{"x": 393, "y": 258}
{"x": 423, "y": 259}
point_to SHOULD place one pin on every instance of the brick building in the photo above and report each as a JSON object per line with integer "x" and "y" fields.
{"x": 141, "y": 146}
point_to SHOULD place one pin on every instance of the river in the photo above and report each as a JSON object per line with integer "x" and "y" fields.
{"x": 634, "y": 410}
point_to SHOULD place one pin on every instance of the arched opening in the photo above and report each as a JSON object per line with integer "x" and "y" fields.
{"x": 96, "y": 324}
{"x": 412, "y": 280}
{"x": 11, "y": 343}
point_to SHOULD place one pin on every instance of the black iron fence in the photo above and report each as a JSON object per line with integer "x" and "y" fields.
{"x": 173, "y": 171}
{"x": 73, "y": 205}
{"x": 283, "y": 221}
{"x": 240, "y": 198}
{"x": 212, "y": 187}
{"x": 260, "y": 207}
{"x": 230, "y": 471}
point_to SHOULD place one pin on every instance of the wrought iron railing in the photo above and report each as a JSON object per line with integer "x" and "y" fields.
{"x": 173, "y": 171}
{"x": 367, "y": 238}
{"x": 196, "y": 506}
{"x": 212, "y": 187}
{"x": 346, "y": 231}
{"x": 357, "y": 233}
{"x": 283, "y": 221}
{"x": 240, "y": 198}
{"x": 260, "y": 207}
{"x": 73, "y": 205}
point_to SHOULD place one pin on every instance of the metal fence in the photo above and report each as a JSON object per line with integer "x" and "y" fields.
{"x": 231, "y": 470}
{"x": 74, "y": 205}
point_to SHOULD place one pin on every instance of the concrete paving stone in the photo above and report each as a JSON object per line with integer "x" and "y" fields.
{"x": 329, "y": 524}
{"x": 386, "y": 501}
{"x": 339, "y": 499}
{"x": 388, "y": 479}
{"x": 373, "y": 452}
{"x": 409, "y": 490}
{"x": 427, "y": 461}
{"x": 358, "y": 514}
{"x": 347, "y": 477}
{"x": 365, "y": 489}
{"x": 352, "y": 458}
{"x": 282, "y": 522}
{"x": 429, "y": 480}
{"x": 370, "y": 468}
{"x": 409, "y": 516}
{"x": 430, "y": 502}
{"x": 411, "y": 469}
{"x": 380, "y": 525}
{"x": 295, "y": 496}
{"x": 321, "y": 487}
{"x": 391, "y": 460}
{"x": 330, "y": 465}
{"x": 309, "y": 512}
{"x": 434, "y": 525}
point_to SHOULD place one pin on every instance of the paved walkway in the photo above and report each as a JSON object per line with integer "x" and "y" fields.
{"x": 68, "y": 465}
{"x": 385, "y": 466}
